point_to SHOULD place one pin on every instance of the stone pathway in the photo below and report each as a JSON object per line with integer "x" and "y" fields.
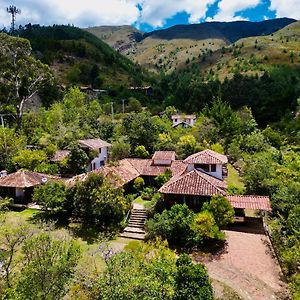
{"x": 136, "y": 225}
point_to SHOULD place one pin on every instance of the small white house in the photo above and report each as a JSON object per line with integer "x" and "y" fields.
{"x": 183, "y": 120}
{"x": 100, "y": 147}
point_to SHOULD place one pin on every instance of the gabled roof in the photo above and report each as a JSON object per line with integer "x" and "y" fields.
{"x": 185, "y": 124}
{"x": 118, "y": 175}
{"x": 194, "y": 183}
{"x": 250, "y": 202}
{"x": 207, "y": 157}
{"x": 60, "y": 155}
{"x": 25, "y": 179}
{"x": 183, "y": 116}
{"x": 94, "y": 144}
{"x": 164, "y": 155}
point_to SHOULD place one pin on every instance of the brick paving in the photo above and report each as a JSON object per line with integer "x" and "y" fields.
{"x": 247, "y": 265}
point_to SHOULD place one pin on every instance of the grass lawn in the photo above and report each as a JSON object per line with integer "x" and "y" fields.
{"x": 234, "y": 178}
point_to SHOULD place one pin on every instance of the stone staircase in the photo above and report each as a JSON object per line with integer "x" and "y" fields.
{"x": 136, "y": 226}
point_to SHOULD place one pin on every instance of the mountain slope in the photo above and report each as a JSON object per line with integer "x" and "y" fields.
{"x": 171, "y": 48}
{"x": 120, "y": 38}
{"x": 77, "y": 56}
{"x": 253, "y": 55}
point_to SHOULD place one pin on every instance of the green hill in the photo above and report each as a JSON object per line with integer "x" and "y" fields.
{"x": 77, "y": 56}
{"x": 252, "y": 55}
{"x": 169, "y": 49}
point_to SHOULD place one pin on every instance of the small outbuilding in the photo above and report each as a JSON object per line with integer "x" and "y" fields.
{"x": 20, "y": 185}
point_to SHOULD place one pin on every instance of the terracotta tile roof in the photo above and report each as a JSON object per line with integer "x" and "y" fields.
{"x": 178, "y": 167}
{"x": 146, "y": 168}
{"x": 25, "y": 179}
{"x": 194, "y": 183}
{"x": 250, "y": 202}
{"x": 118, "y": 175}
{"x": 60, "y": 155}
{"x": 164, "y": 155}
{"x": 94, "y": 144}
{"x": 207, "y": 157}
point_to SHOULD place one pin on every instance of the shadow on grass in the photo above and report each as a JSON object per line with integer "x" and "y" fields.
{"x": 89, "y": 233}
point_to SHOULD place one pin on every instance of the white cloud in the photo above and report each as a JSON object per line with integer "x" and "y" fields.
{"x": 78, "y": 12}
{"x": 103, "y": 12}
{"x": 228, "y": 9}
{"x": 286, "y": 8}
{"x": 155, "y": 12}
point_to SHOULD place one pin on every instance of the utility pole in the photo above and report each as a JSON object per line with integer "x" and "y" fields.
{"x": 112, "y": 110}
{"x": 13, "y": 10}
{"x": 123, "y": 106}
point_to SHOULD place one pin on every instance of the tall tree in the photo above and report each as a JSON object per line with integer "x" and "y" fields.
{"x": 22, "y": 76}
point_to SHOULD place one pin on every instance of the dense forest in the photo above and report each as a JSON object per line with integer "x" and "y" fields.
{"x": 255, "y": 120}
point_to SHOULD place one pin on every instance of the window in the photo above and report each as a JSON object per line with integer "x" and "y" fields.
{"x": 202, "y": 166}
{"x": 213, "y": 168}
{"x": 100, "y": 149}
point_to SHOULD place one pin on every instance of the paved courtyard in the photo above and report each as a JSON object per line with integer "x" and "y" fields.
{"x": 247, "y": 264}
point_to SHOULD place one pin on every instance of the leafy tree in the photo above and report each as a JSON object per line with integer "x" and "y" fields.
{"x": 49, "y": 264}
{"x": 140, "y": 129}
{"x": 141, "y": 152}
{"x": 120, "y": 150}
{"x": 192, "y": 281}
{"x": 134, "y": 105}
{"x": 12, "y": 236}
{"x": 77, "y": 161}
{"x": 138, "y": 184}
{"x": 205, "y": 226}
{"x": 29, "y": 159}
{"x": 51, "y": 195}
{"x": 96, "y": 201}
{"x": 221, "y": 210}
{"x": 144, "y": 273}
{"x": 186, "y": 146}
{"x": 10, "y": 143}
{"x": 174, "y": 225}
{"x": 23, "y": 75}
{"x": 161, "y": 179}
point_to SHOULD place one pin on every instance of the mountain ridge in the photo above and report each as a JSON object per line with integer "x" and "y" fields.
{"x": 166, "y": 49}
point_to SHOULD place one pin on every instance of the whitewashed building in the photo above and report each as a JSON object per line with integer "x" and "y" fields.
{"x": 101, "y": 149}
{"x": 183, "y": 120}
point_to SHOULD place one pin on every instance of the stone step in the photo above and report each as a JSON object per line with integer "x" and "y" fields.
{"x": 137, "y": 222}
{"x": 136, "y": 226}
{"x": 134, "y": 229}
{"x": 134, "y": 236}
{"x": 138, "y": 219}
{"x": 139, "y": 215}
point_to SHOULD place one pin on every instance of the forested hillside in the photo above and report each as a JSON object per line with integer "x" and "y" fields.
{"x": 170, "y": 49}
{"x": 78, "y": 57}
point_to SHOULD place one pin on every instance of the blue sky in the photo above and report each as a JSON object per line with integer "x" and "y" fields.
{"x": 146, "y": 14}
{"x": 258, "y": 13}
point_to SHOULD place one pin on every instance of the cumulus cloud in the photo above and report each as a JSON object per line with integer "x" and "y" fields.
{"x": 78, "y": 12}
{"x": 104, "y": 12}
{"x": 228, "y": 9}
{"x": 284, "y": 8}
{"x": 155, "y": 12}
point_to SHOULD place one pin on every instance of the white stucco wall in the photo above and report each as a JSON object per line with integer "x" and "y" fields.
{"x": 217, "y": 174}
{"x": 100, "y": 160}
